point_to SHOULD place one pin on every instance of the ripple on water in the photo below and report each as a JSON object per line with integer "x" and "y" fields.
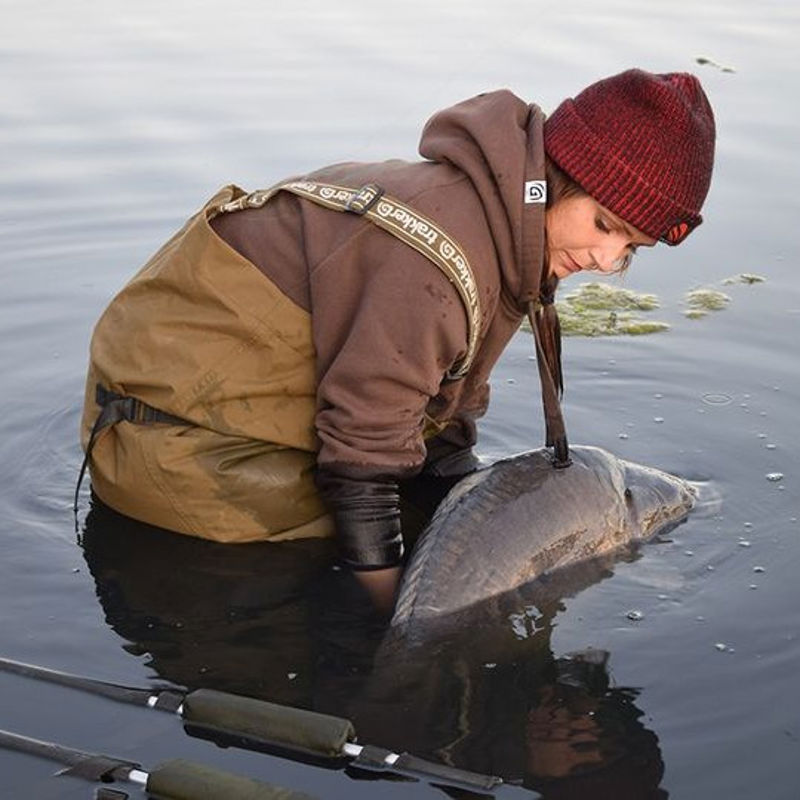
{"x": 716, "y": 399}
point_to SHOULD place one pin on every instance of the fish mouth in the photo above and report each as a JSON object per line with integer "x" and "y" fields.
{"x": 665, "y": 526}
{"x": 708, "y": 498}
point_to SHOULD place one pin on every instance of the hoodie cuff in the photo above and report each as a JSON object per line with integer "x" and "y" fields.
{"x": 367, "y": 518}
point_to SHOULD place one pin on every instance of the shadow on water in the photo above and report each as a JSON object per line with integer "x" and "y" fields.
{"x": 480, "y": 690}
{"x": 251, "y": 619}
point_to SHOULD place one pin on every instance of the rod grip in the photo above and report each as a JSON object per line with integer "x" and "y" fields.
{"x": 293, "y": 728}
{"x": 185, "y": 780}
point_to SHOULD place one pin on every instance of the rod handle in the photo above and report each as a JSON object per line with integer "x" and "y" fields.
{"x": 293, "y": 728}
{"x": 185, "y": 780}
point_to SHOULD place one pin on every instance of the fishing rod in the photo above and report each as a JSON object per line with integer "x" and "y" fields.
{"x": 251, "y": 722}
{"x": 172, "y": 780}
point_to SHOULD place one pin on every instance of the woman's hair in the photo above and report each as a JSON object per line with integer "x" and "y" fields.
{"x": 559, "y": 184}
{"x": 559, "y": 187}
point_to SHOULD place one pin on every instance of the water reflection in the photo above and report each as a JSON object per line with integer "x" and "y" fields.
{"x": 481, "y": 690}
{"x": 249, "y": 619}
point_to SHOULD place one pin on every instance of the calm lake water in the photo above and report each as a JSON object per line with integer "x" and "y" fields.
{"x": 118, "y": 120}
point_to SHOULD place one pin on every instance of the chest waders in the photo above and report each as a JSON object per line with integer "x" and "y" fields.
{"x": 201, "y": 393}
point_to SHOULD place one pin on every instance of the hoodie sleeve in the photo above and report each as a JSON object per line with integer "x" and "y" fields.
{"x": 387, "y": 327}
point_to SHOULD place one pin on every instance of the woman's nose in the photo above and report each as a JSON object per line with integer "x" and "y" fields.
{"x": 609, "y": 257}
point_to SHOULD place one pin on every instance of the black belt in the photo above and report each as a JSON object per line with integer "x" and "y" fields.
{"x": 116, "y": 408}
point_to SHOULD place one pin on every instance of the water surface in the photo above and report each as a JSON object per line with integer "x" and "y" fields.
{"x": 118, "y": 121}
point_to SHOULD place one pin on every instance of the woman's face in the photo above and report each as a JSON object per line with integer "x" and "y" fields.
{"x": 583, "y": 235}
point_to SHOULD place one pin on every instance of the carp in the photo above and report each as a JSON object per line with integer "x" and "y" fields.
{"x": 519, "y": 519}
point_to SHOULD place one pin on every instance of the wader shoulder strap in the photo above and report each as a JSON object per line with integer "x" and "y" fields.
{"x": 400, "y": 220}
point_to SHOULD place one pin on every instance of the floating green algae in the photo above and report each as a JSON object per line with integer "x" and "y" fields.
{"x": 700, "y": 301}
{"x": 603, "y": 297}
{"x": 744, "y": 277}
{"x": 597, "y": 309}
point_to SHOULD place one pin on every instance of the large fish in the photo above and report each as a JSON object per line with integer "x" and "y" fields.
{"x": 506, "y": 525}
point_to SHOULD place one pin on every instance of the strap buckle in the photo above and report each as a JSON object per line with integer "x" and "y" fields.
{"x": 127, "y": 408}
{"x": 364, "y": 198}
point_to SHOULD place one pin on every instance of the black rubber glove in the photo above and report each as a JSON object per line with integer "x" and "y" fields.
{"x": 367, "y": 518}
{"x": 421, "y": 495}
{"x": 453, "y": 464}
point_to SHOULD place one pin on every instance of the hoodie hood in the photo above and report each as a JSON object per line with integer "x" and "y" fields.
{"x": 496, "y": 140}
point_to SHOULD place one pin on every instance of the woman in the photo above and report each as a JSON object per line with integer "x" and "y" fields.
{"x": 278, "y": 367}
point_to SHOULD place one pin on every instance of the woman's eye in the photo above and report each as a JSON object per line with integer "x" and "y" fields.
{"x": 601, "y": 225}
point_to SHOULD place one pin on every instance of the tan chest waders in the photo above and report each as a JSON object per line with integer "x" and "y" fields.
{"x": 201, "y": 393}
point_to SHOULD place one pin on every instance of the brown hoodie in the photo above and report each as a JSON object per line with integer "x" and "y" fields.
{"x": 387, "y": 324}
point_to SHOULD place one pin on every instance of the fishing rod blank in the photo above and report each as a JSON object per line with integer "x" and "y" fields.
{"x": 261, "y": 722}
{"x": 172, "y": 780}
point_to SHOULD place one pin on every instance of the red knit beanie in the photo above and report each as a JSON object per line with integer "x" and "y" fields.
{"x": 642, "y": 145}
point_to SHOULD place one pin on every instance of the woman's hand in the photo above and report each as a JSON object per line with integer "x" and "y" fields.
{"x": 381, "y": 586}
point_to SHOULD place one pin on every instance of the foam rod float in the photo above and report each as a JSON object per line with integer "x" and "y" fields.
{"x": 172, "y": 780}
{"x": 250, "y": 723}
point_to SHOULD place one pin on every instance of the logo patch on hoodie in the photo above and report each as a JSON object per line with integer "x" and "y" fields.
{"x": 535, "y": 191}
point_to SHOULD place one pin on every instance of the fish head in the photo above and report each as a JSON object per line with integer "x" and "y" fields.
{"x": 656, "y": 501}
